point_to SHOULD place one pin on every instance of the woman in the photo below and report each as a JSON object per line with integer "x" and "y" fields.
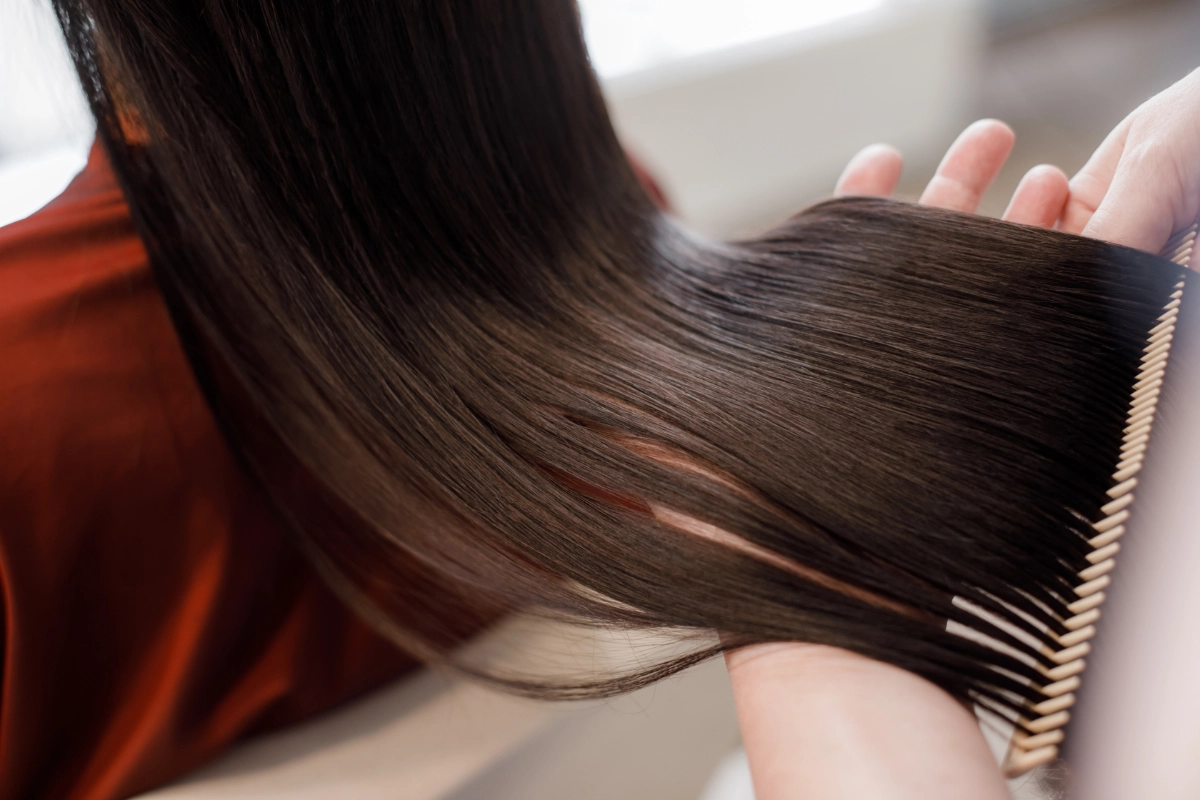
{"x": 244, "y": 71}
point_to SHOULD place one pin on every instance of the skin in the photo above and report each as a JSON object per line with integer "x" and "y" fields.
{"x": 1143, "y": 182}
{"x": 819, "y": 722}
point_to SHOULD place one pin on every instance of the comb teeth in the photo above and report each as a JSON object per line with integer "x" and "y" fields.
{"x": 1037, "y": 736}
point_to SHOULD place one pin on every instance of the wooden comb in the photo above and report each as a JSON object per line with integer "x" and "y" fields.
{"x": 1040, "y": 731}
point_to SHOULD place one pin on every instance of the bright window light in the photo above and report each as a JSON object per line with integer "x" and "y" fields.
{"x": 626, "y": 36}
{"x": 28, "y": 183}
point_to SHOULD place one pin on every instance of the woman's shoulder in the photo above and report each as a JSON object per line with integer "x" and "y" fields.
{"x": 144, "y": 577}
{"x": 93, "y": 376}
{"x": 82, "y": 237}
{"x": 77, "y": 303}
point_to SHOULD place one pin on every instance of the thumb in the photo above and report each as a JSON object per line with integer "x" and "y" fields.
{"x": 1142, "y": 206}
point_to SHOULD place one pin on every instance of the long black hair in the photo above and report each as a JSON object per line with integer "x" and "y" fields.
{"x": 476, "y": 369}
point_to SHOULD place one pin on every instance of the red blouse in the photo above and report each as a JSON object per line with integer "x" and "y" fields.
{"x": 153, "y": 611}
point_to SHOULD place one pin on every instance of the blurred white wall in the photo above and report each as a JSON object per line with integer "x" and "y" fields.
{"x": 41, "y": 105}
{"x": 45, "y": 126}
{"x": 744, "y": 134}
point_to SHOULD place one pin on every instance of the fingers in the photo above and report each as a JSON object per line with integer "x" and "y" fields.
{"x": 1144, "y": 180}
{"x": 968, "y": 169}
{"x": 970, "y": 166}
{"x": 1090, "y": 184}
{"x": 1141, "y": 207}
{"x": 1040, "y": 197}
{"x": 874, "y": 172}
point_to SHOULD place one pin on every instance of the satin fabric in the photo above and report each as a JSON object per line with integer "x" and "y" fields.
{"x": 153, "y": 610}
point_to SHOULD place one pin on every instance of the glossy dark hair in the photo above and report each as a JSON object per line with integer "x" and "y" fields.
{"x": 477, "y": 369}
